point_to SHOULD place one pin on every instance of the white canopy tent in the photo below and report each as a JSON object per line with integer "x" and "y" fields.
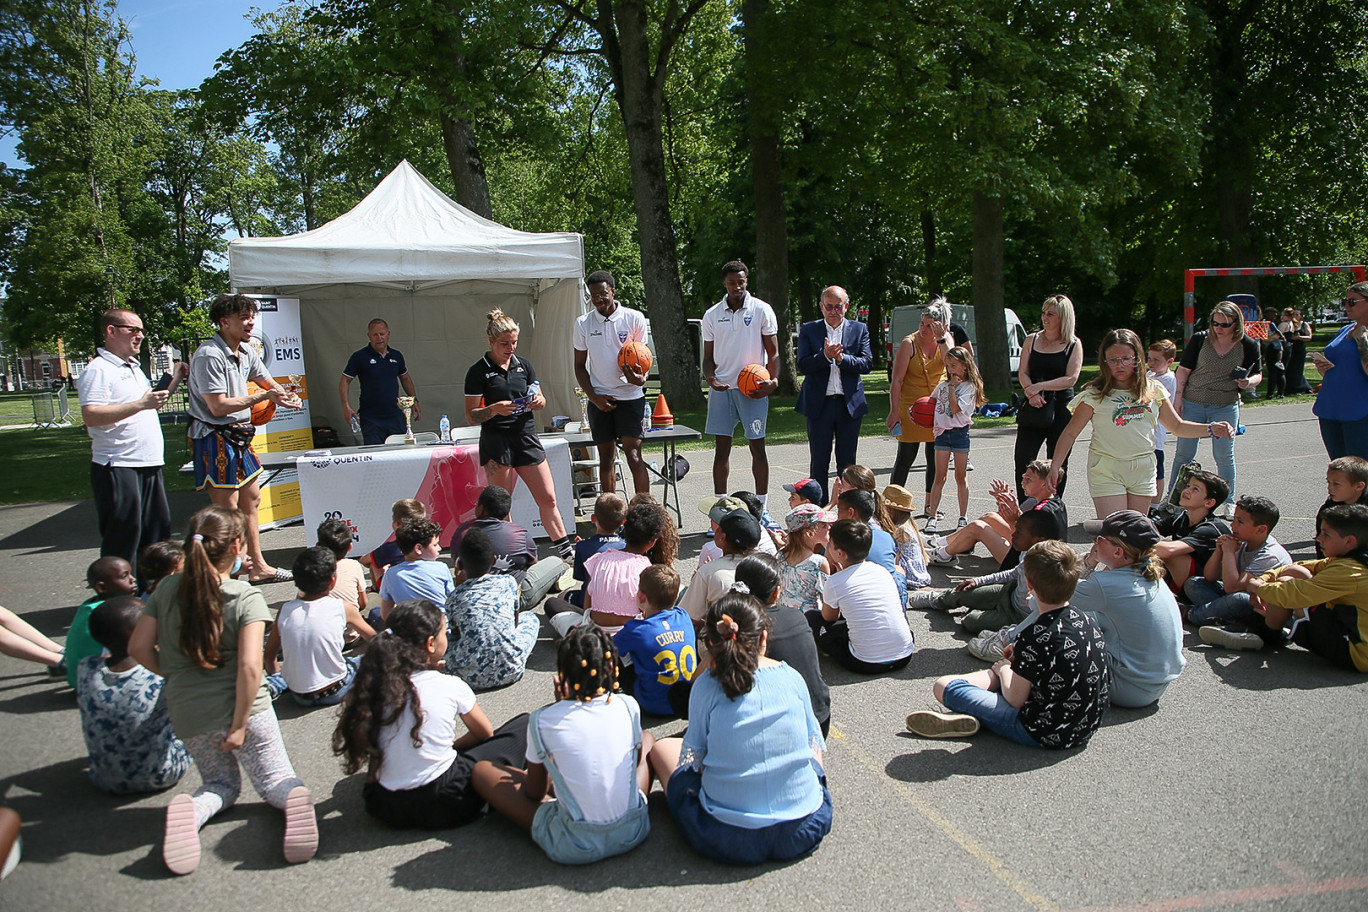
{"x": 432, "y": 269}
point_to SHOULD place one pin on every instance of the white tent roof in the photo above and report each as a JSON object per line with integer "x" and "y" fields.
{"x": 405, "y": 234}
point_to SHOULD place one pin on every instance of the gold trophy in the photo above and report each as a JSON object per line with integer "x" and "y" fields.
{"x": 406, "y": 406}
{"x": 584, "y": 410}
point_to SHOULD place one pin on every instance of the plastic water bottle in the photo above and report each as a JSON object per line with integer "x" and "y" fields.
{"x": 355, "y": 425}
{"x": 645, "y": 424}
{"x": 655, "y": 468}
{"x": 444, "y": 430}
{"x": 1239, "y": 430}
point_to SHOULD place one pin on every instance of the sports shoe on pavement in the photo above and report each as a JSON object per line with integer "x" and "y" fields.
{"x": 180, "y": 842}
{"x": 1230, "y": 639}
{"x": 943, "y": 558}
{"x": 925, "y": 598}
{"x": 930, "y": 527}
{"x": 933, "y": 543}
{"x": 963, "y": 521}
{"x": 930, "y": 724}
{"x": 301, "y": 826}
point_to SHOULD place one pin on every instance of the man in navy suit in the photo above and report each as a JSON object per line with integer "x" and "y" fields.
{"x": 832, "y": 354}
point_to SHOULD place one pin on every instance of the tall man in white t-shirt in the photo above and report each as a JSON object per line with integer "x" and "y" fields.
{"x": 617, "y": 402}
{"x": 119, "y": 408}
{"x": 738, "y": 331}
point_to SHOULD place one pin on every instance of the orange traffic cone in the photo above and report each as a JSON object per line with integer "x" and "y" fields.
{"x": 661, "y": 419}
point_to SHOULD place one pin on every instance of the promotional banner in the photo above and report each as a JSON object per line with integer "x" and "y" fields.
{"x": 361, "y": 488}
{"x": 276, "y": 338}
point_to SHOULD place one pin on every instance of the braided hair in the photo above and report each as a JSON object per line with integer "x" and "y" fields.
{"x": 384, "y": 684}
{"x": 586, "y": 665}
{"x": 732, "y": 632}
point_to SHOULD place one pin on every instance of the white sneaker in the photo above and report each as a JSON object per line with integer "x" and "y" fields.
{"x": 989, "y": 644}
{"x": 963, "y": 521}
{"x": 1231, "y": 639}
{"x": 930, "y": 527}
{"x": 923, "y": 598}
{"x": 943, "y": 558}
{"x": 930, "y": 724}
{"x": 934, "y": 543}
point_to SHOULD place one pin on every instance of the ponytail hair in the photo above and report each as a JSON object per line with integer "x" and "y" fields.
{"x": 208, "y": 543}
{"x": 732, "y": 631}
{"x": 760, "y": 573}
{"x": 499, "y": 323}
{"x": 384, "y": 684}
{"x": 1149, "y": 564}
{"x": 862, "y": 478}
{"x": 587, "y": 663}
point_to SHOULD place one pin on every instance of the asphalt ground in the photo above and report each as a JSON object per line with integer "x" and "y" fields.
{"x": 1243, "y": 788}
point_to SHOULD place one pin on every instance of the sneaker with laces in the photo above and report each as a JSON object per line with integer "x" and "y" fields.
{"x": 931, "y": 724}
{"x": 1243, "y": 640}
{"x": 930, "y": 527}
{"x": 963, "y": 521}
{"x": 988, "y": 645}
{"x": 943, "y": 558}
{"x": 925, "y": 598}
{"x": 935, "y": 542}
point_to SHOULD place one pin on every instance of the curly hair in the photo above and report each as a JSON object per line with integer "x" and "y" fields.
{"x": 384, "y": 684}
{"x": 655, "y": 520}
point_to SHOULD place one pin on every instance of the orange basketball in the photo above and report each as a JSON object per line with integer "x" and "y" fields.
{"x": 262, "y": 412}
{"x": 924, "y": 411}
{"x": 750, "y": 378}
{"x": 636, "y": 355}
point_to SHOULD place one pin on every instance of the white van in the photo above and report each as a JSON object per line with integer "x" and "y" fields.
{"x": 903, "y": 321}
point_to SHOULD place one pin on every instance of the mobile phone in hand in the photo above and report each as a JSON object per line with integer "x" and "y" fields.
{"x": 164, "y": 383}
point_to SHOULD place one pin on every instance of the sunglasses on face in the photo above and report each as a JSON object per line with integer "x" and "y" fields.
{"x": 1223, "y": 325}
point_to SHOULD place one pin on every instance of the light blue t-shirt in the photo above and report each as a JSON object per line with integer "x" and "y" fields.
{"x": 755, "y": 753}
{"x": 417, "y": 579}
{"x": 1139, "y": 621}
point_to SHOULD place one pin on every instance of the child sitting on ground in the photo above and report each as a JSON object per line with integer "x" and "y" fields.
{"x": 802, "y": 569}
{"x": 736, "y": 533}
{"x": 157, "y": 561}
{"x": 489, "y": 639}
{"x": 1052, "y": 686}
{"x": 860, "y": 624}
{"x": 311, "y": 632}
{"x": 912, "y": 548}
{"x": 399, "y": 723}
{"x": 804, "y": 491}
{"x": 389, "y": 553}
{"x": 610, "y": 599}
{"x": 108, "y": 577}
{"x": 1250, "y": 549}
{"x": 124, "y": 718}
{"x": 336, "y": 536}
{"x": 1190, "y": 536}
{"x": 997, "y": 599}
{"x": 867, "y": 507}
{"x": 994, "y": 530}
{"x": 1346, "y": 481}
{"x": 610, "y": 510}
{"x": 588, "y": 745}
{"x": 421, "y": 575}
{"x": 20, "y": 640}
{"x": 1326, "y": 599}
{"x": 659, "y": 648}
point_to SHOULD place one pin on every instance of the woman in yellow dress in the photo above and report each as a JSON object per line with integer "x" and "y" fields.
{"x": 918, "y": 368}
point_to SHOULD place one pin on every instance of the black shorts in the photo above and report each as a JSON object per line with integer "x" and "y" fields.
{"x": 622, "y": 421}
{"x": 511, "y": 449}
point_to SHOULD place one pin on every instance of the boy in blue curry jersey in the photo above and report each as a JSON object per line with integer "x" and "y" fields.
{"x": 659, "y": 648}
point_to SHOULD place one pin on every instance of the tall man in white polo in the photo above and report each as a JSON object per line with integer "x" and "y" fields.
{"x": 617, "y": 402}
{"x": 739, "y": 330}
{"x": 119, "y": 408}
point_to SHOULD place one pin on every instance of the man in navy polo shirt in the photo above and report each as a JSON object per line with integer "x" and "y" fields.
{"x": 381, "y": 370}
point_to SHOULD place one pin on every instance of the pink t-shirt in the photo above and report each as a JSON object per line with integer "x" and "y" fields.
{"x": 614, "y": 579}
{"x": 351, "y": 583}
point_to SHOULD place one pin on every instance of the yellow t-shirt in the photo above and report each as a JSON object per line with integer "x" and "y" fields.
{"x": 1122, "y": 427}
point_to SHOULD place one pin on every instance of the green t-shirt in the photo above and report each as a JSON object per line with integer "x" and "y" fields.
{"x": 79, "y": 642}
{"x": 202, "y": 699}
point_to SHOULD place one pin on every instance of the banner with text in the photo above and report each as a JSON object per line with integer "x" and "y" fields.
{"x": 276, "y": 338}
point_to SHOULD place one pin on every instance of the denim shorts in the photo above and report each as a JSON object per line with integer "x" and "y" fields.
{"x": 727, "y": 407}
{"x": 567, "y": 840}
{"x": 736, "y": 845}
{"x": 992, "y": 709}
{"x": 954, "y": 440}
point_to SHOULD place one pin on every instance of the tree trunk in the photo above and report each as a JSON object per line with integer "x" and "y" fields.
{"x": 637, "y": 88}
{"x": 1231, "y": 148}
{"x": 771, "y": 218}
{"x": 988, "y": 289}
{"x": 467, "y": 167}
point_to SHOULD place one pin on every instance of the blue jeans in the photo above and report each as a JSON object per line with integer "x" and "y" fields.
{"x": 1211, "y": 603}
{"x": 736, "y": 845}
{"x": 992, "y": 709}
{"x": 276, "y": 685}
{"x": 1221, "y": 448}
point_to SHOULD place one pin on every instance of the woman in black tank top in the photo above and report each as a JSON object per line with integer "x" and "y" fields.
{"x": 1047, "y": 378}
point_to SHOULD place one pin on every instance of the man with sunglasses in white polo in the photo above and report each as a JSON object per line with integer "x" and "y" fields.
{"x": 119, "y": 407}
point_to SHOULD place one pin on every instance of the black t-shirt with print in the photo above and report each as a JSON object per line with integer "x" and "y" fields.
{"x": 1062, "y": 655}
{"x": 495, "y": 384}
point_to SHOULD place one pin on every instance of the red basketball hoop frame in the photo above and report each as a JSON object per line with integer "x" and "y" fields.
{"x": 1190, "y": 277}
